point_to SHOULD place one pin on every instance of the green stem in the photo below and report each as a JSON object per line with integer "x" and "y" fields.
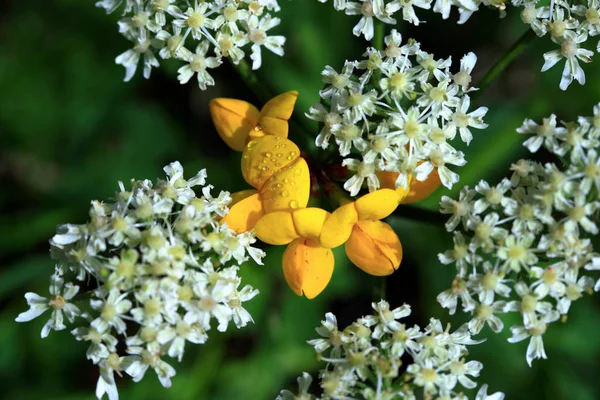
{"x": 505, "y": 61}
{"x": 378, "y": 36}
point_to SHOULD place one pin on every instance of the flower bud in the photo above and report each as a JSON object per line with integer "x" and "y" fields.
{"x": 287, "y": 189}
{"x": 244, "y": 211}
{"x": 275, "y": 114}
{"x": 234, "y": 120}
{"x": 265, "y": 156}
{"x": 374, "y": 247}
{"x": 307, "y": 267}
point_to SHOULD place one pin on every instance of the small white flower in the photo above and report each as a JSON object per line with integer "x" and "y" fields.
{"x": 111, "y": 311}
{"x": 257, "y": 35}
{"x": 363, "y": 172}
{"x": 570, "y": 50}
{"x": 131, "y": 58}
{"x": 535, "y": 349}
{"x": 199, "y": 64}
{"x": 59, "y": 303}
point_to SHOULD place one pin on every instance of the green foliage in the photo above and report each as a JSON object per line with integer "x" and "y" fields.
{"x": 70, "y": 129}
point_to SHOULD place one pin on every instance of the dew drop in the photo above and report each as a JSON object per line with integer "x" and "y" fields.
{"x": 268, "y": 154}
{"x": 279, "y": 185}
{"x": 293, "y": 153}
{"x": 293, "y": 204}
{"x": 285, "y": 193}
{"x": 290, "y": 158}
{"x": 245, "y": 156}
{"x": 279, "y": 155}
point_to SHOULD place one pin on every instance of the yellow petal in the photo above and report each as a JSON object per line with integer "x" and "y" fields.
{"x": 275, "y": 114}
{"x": 377, "y": 205}
{"x": 374, "y": 247}
{"x": 307, "y": 267}
{"x": 309, "y": 221}
{"x": 289, "y": 188}
{"x": 420, "y": 190}
{"x": 234, "y": 119}
{"x": 245, "y": 213}
{"x": 241, "y": 195}
{"x": 276, "y": 228}
{"x": 265, "y": 156}
{"x": 338, "y": 226}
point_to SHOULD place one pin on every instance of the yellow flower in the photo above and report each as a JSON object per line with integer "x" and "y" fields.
{"x": 417, "y": 191}
{"x": 371, "y": 245}
{"x": 273, "y": 166}
{"x": 238, "y": 122}
{"x": 307, "y": 265}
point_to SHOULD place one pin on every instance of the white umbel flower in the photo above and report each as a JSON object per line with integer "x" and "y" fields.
{"x": 170, "y": 275}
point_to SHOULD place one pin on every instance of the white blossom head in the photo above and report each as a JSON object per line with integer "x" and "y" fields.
{"x": 380, "y": 357}
{"x": 152, "y": 270}
{"x": 398, "y": 110}
{"x": 524, "y": 245}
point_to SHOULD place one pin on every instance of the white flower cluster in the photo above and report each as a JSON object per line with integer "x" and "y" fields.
{"x": 570, "y": 25}
{"x": 523, "y": 246}
{"x": 156, "y": 268}
{"x": 398, "y": 110}
{"x": 386, "y": 10}
{"x": 364, "y": 360}
{"x": 186, "y": 30}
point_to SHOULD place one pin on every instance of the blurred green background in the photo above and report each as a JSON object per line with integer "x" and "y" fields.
{"x": 70, "y": 129}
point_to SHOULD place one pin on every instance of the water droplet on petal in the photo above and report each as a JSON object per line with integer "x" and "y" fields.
{"x": 293, "y": 204}
{"x": 285, "y": 193}
{"x": 268, "y": 154}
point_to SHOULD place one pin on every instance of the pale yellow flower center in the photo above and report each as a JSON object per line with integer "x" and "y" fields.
{"x": 592, "y": 16}
{"x": 528, "y": 303}
{"x": 195, "y": 20}
{"x": 577, "y": 213}
{"x": 140, "y": 19}
{"x": 58, "y": 302}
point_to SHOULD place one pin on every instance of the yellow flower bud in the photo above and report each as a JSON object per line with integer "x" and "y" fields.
{"x": 274, "y": 116}
{"x": 289, "y": 188}
{"x": 244, "y": 211}
{"x": 265, "y": 156}
{"x": 307, "y": 267}
{"x": 234, "y": 119}
{"x": 239, "y": 122}
{"x": 374, "y": 247}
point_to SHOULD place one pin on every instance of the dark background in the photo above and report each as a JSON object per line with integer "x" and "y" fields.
{"x": 70, "y": 129}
